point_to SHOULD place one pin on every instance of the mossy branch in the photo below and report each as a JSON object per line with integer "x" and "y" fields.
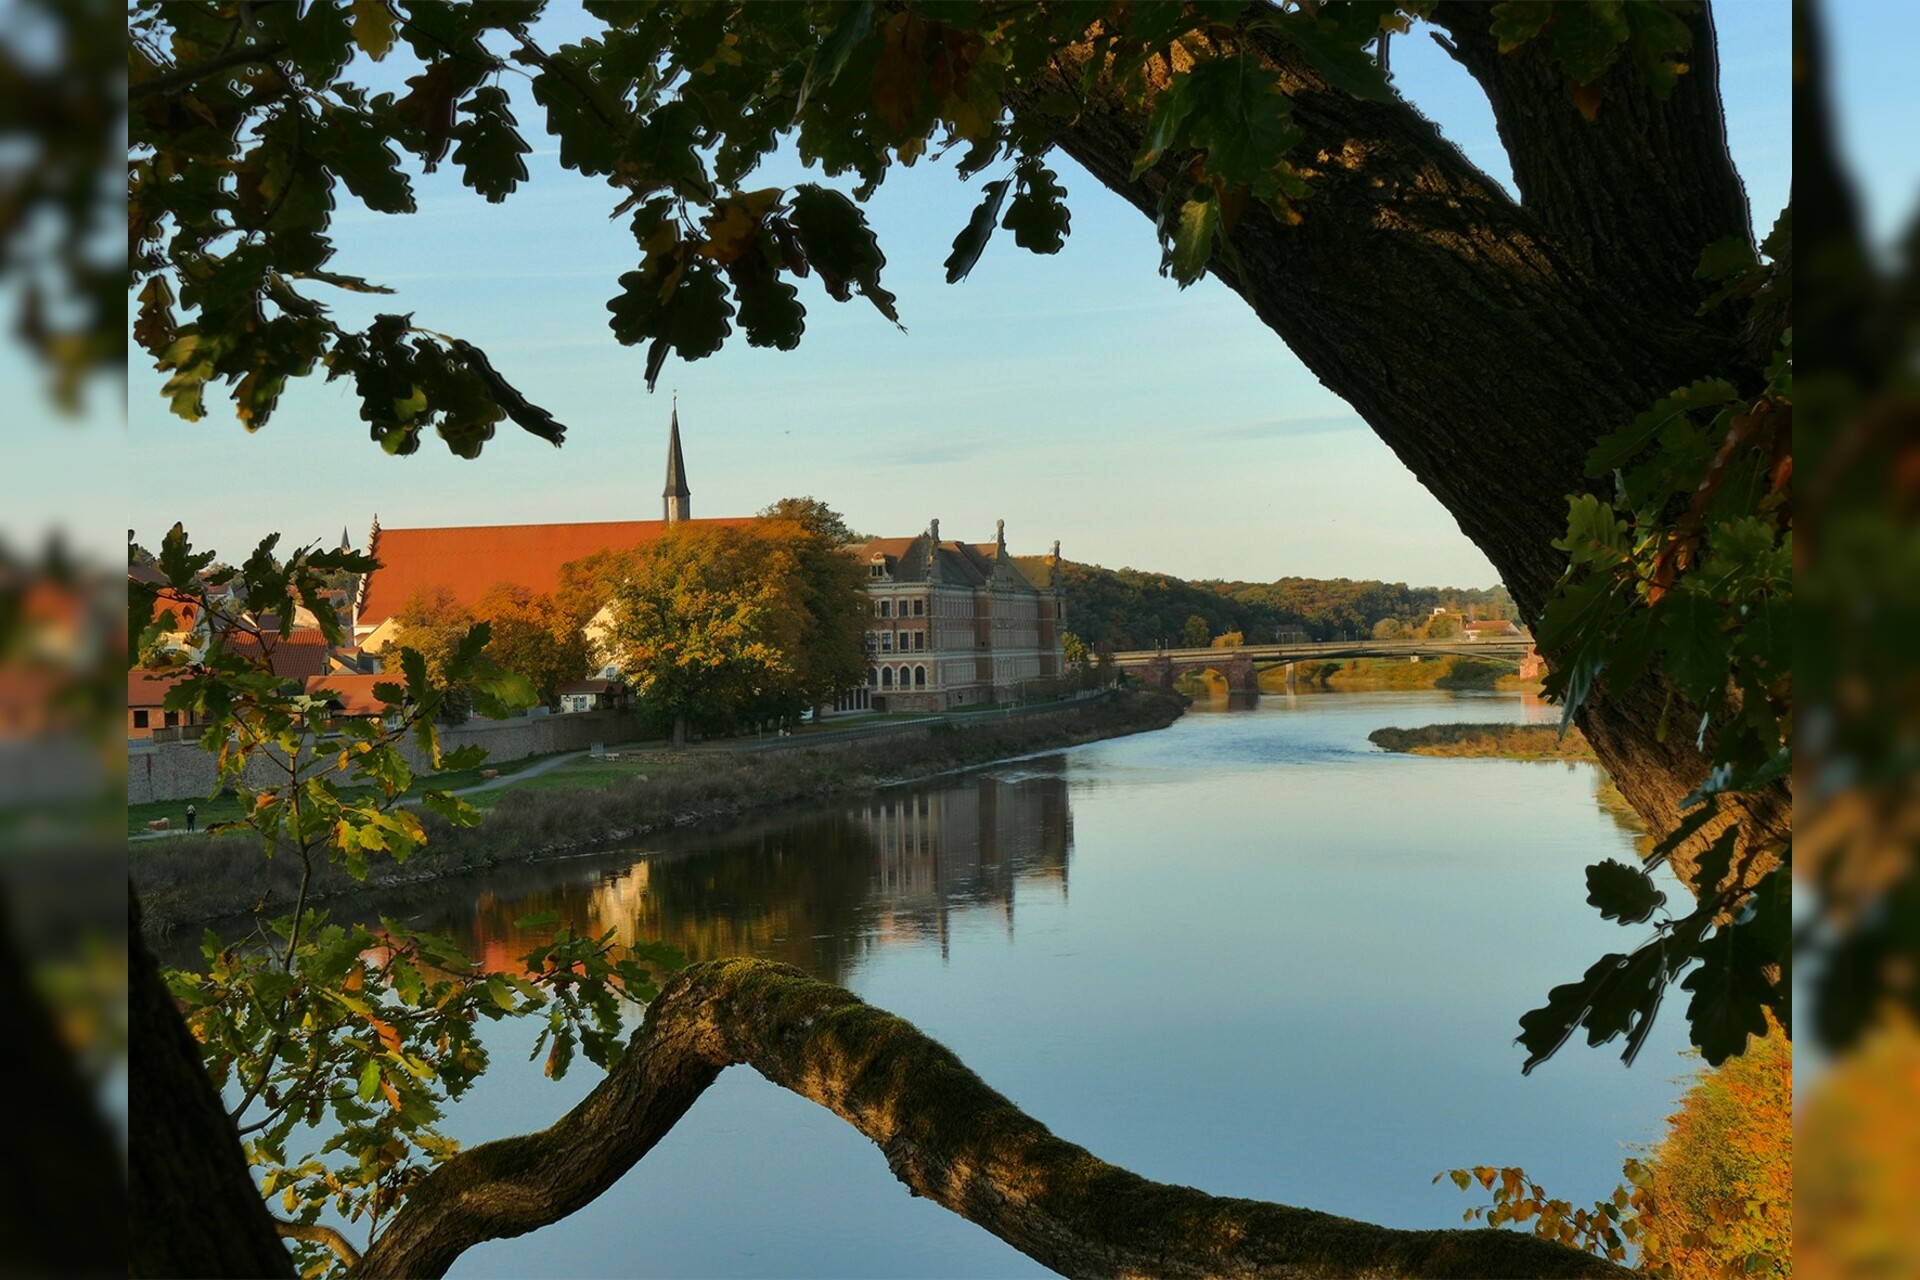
{"x": 945, "y": 1133}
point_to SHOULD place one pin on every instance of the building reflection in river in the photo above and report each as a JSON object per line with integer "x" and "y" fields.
{"x": 903, "y": 868}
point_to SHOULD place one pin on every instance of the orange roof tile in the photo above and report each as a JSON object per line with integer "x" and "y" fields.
{"x": 295, "y": 655}
{"x": 352, "y": 695}
{"x": 146, "y": 688}
{"x": 469, "y": 562}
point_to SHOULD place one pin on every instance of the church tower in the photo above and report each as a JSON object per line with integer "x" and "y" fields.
{"x": 677, "y": 501}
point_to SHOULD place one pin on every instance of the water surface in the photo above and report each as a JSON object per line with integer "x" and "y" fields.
{"x": 1249, "y": 953}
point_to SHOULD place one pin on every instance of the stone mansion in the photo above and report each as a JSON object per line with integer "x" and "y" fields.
{"x": 957, "y": 623}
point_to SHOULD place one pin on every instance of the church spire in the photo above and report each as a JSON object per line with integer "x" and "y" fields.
{"x": 677, "y": 501}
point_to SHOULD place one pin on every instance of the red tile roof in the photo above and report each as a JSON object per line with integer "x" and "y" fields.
{"x": 352, "y": 695}
{"x": 147, "y": 688}
{"x": 184, "y": 610}
{"x": 467, "y": 563}
{"x": 294, "y": 655}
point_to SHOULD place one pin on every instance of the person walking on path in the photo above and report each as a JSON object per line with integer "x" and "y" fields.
{"x": 192, "y": 813}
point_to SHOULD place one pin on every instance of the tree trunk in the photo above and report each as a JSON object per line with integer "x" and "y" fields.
{"x": 1489, "y": 343}
{"x": 60, "y": 1186}
{"x": 945, "y": 1134}
{"x": 195, "y": 1210}
{"x": 678, "y": 735}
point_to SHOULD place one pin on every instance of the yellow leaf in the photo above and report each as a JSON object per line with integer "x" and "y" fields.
{"x": 729, "y": 232}
{"x": 373, "y": 27}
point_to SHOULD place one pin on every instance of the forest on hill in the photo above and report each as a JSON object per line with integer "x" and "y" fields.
{"x": 1135, "y": 609}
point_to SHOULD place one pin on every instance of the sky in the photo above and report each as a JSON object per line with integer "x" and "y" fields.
{"x": 1080, "y": 397}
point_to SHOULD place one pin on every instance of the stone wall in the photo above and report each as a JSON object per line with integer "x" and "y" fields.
{"x": 166, "y": 767}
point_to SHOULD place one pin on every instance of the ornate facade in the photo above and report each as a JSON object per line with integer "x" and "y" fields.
{"x": 958, "y": 624}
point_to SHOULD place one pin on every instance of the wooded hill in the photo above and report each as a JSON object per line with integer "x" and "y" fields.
{"x": 1134, "y": 609}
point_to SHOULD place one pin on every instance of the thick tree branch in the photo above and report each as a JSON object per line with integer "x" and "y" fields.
{"x": 945, "y": 1134}
{"x": 319, "y": 1233}
{"x": 1635, "y": 193}
{"x": 1485, "y": 353}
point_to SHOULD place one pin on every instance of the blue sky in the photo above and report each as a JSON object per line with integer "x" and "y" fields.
{"x": 1080, "y": 397}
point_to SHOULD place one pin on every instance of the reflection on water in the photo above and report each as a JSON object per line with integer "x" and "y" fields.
{"x": 820, "y": 891}
{"x": 1289, "y": 969}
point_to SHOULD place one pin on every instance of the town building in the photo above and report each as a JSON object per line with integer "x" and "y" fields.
{"x": 954, "y": 623}
{"x": 466, "y": 562}
{"x": 958, "y": 623}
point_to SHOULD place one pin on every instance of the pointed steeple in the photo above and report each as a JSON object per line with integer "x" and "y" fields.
{"x": 677, "y": 501}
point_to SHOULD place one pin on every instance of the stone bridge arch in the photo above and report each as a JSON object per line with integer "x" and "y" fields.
{"x": 1238, "y": 669}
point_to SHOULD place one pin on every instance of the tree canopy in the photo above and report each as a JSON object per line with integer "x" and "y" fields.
{"x": 716, "y": 625}
{"x": 1615, "y": 334}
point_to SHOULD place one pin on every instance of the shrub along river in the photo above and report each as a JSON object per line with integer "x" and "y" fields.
{"x": 1250, "y": 953}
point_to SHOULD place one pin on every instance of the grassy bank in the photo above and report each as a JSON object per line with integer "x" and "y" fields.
{"x": 186, "y": 880}
{"x": 225, "y": 807}
{"x": 1399, "y": 673}
{"x": 1495, "y": 741}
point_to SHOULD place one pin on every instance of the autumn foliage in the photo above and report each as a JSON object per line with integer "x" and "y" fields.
{"x": 1714, "y": 1201}
{"x": 1721, "y": 1201}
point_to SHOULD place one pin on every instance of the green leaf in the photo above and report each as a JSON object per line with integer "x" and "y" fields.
{"x": 1164, "y": 126}
{"x": 1622, "y": 893}
{"x": 1587, "y": 37}
{"x": 1038, "y": 216}
{"x": 356, "y": 150}
{"x": 1518, "y": 21}
{"x": 1730, "y": 990}
{"x": 1241, "y": 119}
{"x": 1728, "y": 256}
{"x": 1190, "y": 246}
{"x": 419, "y": 685}
{"x": 1333, "y": 50}
{"x": 1595, "y": 535}
{"x": 369, "y": 1080}
{"x": 1619, "y": 994}
{"x": 488, "y": 147}
{"x": 1615, "y": 450}
{"x": 770, "y": 309}
{"x": 834, "y": 235}
{"x": 1697, "y": 649}
{"x": 972, "y": 240}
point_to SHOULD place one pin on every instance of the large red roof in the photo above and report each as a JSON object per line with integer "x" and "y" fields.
{"x": 467, "y": 563}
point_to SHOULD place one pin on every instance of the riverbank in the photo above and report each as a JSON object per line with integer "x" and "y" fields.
{"x": 1398, "y": 673}
{"x": 1486, "y": 741}
{"x": 186, "y": 880}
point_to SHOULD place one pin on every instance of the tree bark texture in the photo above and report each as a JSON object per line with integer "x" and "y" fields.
{"x": 194, "y": 1209}
{"x": 945, "y": 1134}
{"x": 1489, "y": 342}
{"x": 60, "y": 1185}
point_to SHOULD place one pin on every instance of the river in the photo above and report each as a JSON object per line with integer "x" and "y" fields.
{"x": 1250, "y": 953}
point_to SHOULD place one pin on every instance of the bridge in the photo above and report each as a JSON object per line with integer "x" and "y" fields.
{"x": 1241, "y": 666}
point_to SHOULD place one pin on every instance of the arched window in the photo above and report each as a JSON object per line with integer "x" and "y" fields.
{"x": 886, "y": 677}
{"x": 873, "y": 676}
{"x": 919, "y": 677}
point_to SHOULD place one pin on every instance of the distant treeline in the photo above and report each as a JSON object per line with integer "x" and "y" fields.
{"x": 1131, "y": 609}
